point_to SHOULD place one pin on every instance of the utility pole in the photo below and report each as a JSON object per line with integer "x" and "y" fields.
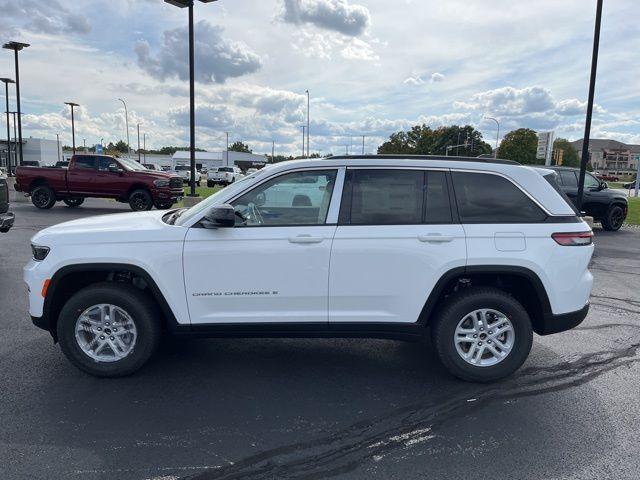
{"x": 592, "y": 88}
{"x": 308, "y": 120}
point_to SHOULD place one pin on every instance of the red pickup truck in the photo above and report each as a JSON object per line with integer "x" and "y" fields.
{"x": 99, "y": 176}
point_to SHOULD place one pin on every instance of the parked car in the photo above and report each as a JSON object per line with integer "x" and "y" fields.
{"x": 153, "y": 167}
{"x": 99, "y": 176}
{"x": 609, "y": 207}
{"x": 223, "y": 176}
{"x": 476, "y": 254}
{"x": 6, "y": 217}
{"x": 607, "y": 178}
{"x": 251, "y": 171}
{"x": 185, "y": 172}
{"x": 631, "y": 184}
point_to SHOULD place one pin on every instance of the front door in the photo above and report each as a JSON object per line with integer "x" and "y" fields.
{"x": 395, "y": 239}
{"x": 81, "y": 176}
{"x": 273, "y": 266}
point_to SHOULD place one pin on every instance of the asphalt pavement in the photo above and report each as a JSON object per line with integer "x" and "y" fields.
{"x": 353, "y": 409}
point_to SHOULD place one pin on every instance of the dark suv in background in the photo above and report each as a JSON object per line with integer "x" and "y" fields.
{"x": 6, "y": 218}
{"x": 609, "y": 207}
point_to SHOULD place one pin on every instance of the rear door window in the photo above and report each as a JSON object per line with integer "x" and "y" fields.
{"x": 568, "y": 178}
{"x": 488, "y": 198}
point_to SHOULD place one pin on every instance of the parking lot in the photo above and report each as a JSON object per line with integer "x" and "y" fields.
{"x": 289, "y": 408}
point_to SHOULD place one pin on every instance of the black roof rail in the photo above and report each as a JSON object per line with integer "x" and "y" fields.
{"x": 424, "y": 157}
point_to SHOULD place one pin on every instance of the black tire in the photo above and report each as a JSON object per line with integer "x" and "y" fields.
{"x": 140, "y": 200}
{"x": 210, "y": 184}
{"x": 459, "y": 306}
{"x": 73, "y": 202}
{"x": 614, "y": 218}
{"x": 163, "y": 205}
{"x": 43, "y": 197}
{"x": 140, "y": 308}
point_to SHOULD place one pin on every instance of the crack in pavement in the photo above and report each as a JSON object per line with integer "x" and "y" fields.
{"x": 406, "y": 427}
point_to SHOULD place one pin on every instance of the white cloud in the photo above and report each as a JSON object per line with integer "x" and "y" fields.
{"x": 510, "y": 101}
{"x": 437, "y": 77}
{"x": 217, "y": 57}
{"x": 337, "y": 15}
{"x": 45, "y": 17}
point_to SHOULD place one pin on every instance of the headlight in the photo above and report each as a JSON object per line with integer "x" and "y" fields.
{"x": 39, "y": 253}
{"x": 161, "y": 183}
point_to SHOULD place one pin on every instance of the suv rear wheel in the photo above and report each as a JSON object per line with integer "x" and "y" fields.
{"x": 614, "y": 218}
{"x": 140, "y": 200}
{"x": 43, "y": 197}
{"x": 482, "y": 334}
{"x": 108, "y": 330}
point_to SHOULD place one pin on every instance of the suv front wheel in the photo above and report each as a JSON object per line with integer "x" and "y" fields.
{"x": 613, "y": 219}
{"x": 482, "y": 334}
{"x": 109, "y": 330}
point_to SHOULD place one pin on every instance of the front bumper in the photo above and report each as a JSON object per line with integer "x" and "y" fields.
{"x": 174, "y": 194}
{"x": 561, "y": 323}
{"x": 6, "y": 222}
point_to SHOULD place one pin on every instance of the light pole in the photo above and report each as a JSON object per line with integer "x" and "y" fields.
{"x": 138, "y": 143}
{"x": 592, "y": 88}
{"x": 58, "y": 144}
{"x": 144, "y": 146}
{"x": 126, "y": 122}
{"x": 84, "y": 144}
{"x": 495, "y": 155}
{"x": 304, "y": 127}
{"x": 273, "y": 151}
{"x": 73, "y": 125}
{"x": 15, "y": 140}
{"x": 16, "y": 47}
{"x": 6, "y": 82}
{"x": 308, "y": 120}
{"x": 192, "y": 101}
{"x": 226, "y": 152}
{"x": 363, "y": 138}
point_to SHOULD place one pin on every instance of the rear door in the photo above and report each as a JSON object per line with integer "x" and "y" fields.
{"x": 81, "y": 175}
{"x": 396, "y": 237}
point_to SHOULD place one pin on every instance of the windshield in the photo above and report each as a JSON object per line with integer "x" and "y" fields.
{"x": 132, "y": 165}
{"x": 199, "y": 209}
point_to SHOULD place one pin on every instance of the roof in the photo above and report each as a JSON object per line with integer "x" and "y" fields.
{"x": 424, "y": 157}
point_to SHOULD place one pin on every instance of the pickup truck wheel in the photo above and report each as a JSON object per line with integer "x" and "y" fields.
{"x": 140, "y": 200}
{"x": 109, "y": 330}
{"x": 614, "y": 219}
{"x": 482, "y": 334}
{"x": 43, "y": 197}
{"x": 73, "y": 201}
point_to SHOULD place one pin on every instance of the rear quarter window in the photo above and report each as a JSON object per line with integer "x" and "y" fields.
{"x": 489, "y": 198}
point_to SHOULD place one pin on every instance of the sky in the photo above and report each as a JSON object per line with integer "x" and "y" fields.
{"x": 372, "y": 68}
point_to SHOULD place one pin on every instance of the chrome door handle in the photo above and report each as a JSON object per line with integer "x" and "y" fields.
{"x": 306, "y": 239}
{"x": 435, "y": 238}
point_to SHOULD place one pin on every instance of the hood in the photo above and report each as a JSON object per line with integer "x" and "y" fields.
{"x": 115, "y": 228}
{"x": 154, "y": 174}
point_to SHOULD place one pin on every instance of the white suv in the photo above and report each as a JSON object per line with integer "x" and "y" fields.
{"x": 478, "y": 254}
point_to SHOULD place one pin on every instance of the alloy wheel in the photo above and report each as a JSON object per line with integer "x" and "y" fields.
{"x": 484, "y": 337}
{"x": 106, "y": 333}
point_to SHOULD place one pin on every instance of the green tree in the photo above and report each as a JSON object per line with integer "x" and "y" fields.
{"x": 520, "y": 145}
{"x": 239, "y": 147}
{"x": 570, "y": 155}
{"x": 423, "y": 140}
{"x": 120, "y": 147}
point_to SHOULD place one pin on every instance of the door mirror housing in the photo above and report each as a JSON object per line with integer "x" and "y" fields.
{"x": 114, "y": 168}
{"x": 220, "y": 216}
{"x": 604, "y": 185}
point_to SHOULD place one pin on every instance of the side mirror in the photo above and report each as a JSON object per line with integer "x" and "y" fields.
{"x": 113, "y": 168}
{"x": 604, "y": 185}
{"x": 220, "y": 216}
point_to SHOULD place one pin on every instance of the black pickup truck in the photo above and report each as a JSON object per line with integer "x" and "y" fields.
{"x": 6, "y": 218}
{"x": 609, "y": 207}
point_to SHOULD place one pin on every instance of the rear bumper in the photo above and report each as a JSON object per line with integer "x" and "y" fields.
{"x": 561, "y": 323}
{"x": 6, "y": 222}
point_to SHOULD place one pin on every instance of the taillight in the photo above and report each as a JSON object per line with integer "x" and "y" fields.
{"x": 573, "y": 239}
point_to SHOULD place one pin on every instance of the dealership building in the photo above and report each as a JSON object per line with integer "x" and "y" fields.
{"x": 610, "y": 157}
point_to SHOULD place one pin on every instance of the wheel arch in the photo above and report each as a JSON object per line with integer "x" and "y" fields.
{"x": 520, "y": 282}
{"x": 39, "y": 182}
{"x": 69, "y": 279}
{"x": 138, "y": 186}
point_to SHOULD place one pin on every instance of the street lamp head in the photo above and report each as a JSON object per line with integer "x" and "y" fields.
{"x": 71, "y": 104}
{"x": 17, "y": 46}
{"x": 185, "y": 3}
{"x": 6, "y": 80}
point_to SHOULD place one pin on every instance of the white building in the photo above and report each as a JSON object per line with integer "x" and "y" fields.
{"x": 219, "y": 159}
